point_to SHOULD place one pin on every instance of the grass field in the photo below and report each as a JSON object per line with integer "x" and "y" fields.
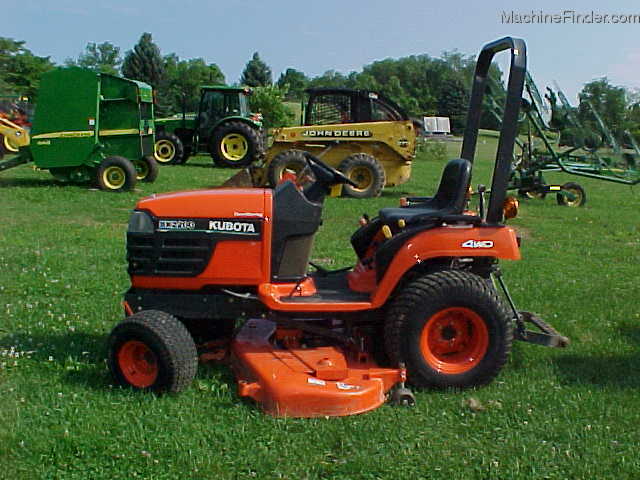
{"x": 570, "y": 413}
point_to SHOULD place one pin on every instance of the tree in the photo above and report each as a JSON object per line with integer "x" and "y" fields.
{"x": 20, "y": 70}
{"x": 256, "y": 73}
{"x": 330, "y": 78}
{"x": 145, "y": 63}
{"x": 185, "y": 77}
{"x": 103, "y": 58}
{"x": 453, "y": 102}
{"x": 293, "y": 82}
{"x": 268, "y": 101}
{"x": 606, "y": 99}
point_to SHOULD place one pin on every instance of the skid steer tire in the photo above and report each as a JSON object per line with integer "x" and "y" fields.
{"x": 235, "y": 145}
{"x": 152, "y": 350}
{"x": 168, "y": 149}
{"x": 367, "y": 172}
{"x": 293, "y": 160}
{"x": 116, "y": 174}
{"x": 450, "y": 329}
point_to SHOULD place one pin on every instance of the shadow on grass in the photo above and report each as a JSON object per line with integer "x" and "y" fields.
{"x": 34, "y": 183}
{"x": 79, "y": 359}
{"x": 604, "y": 370}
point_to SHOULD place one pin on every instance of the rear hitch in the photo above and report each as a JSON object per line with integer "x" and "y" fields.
{"x": 547, "y": 336}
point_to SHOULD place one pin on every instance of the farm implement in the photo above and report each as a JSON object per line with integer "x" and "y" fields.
{"x": 361, "y": 133}
{"x": 224, "y": 274}
{"x": 540, "y": 154}
{"x": 88, "y": 127}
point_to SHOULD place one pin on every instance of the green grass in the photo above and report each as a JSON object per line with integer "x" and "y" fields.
{"x": 570, "y": 413}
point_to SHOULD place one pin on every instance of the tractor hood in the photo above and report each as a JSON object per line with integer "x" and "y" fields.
{"x": 227, "y": 203}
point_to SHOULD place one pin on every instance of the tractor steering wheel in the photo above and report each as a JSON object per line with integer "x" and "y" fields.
{"x": 338, "y": 176}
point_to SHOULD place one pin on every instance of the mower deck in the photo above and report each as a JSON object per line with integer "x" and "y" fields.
{"x": 294, "y": 381}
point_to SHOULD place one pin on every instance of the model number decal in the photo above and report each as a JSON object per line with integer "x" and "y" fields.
{"x": 176, "y": 224}
{"x": 477, "y": 244}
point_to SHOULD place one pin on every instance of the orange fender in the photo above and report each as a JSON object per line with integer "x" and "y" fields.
{"x": 449, "y": 241}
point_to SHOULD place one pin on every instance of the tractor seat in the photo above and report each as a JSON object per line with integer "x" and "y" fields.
{"x": 448, "y": 200}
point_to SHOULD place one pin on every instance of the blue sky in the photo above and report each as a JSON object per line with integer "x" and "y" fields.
{"x": 315, "y": 36}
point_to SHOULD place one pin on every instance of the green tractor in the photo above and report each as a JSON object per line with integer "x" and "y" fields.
{"x": 223, "y": 127}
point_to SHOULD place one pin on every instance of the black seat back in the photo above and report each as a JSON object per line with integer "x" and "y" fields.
{"x": 453, "y": 187}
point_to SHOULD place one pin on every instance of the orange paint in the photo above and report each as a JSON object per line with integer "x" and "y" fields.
{"x": 310, "y": 382}
{"x": 446, "y": 242}
{"x": 454, "y": 340}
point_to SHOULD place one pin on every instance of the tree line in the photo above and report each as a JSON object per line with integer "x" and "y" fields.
{"x": 421, "y": 84}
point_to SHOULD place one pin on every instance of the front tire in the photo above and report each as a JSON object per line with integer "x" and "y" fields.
{"x": 152, "y": 350}
{"x": 168, "y": 149}
{"x": 367, "y": 172}
{"x": 450, "y": 329}
{"x": 580, "y": 197}
{"x": 116, "y": 174}
{"x": 235, "y": 145}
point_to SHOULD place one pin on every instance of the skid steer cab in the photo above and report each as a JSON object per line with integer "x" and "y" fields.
{"x": 225, "y": 275}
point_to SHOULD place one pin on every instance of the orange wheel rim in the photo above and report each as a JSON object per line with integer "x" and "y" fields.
{"x": 138, "y": 364}
{"x": 454, "y": 340}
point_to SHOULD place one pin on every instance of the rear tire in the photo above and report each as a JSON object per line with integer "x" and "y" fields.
{"x": 235, "y": 145}
{"x": 146, "y": 169}
{"x": 288, "y": 160}
{"x": 152, "y": 350}
{"x": 367, "y": 172}
{"x": 116, "y": 174}
{"x": 450, "y": 329}
{"x": 575, "y": 189}
{"x": 168, "y": 149}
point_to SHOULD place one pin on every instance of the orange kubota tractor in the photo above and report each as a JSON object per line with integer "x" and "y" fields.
{"x": 224, "y": 274}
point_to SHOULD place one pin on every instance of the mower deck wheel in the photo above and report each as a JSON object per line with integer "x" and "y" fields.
{"x": 450, "y": 329}
{"x": 580, "y": 197}
{"x": 152, "y": 350}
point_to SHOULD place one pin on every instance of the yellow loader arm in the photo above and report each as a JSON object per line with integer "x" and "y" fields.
{"x": 14, "y": 136}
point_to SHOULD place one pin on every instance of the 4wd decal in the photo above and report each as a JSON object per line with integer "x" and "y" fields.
{"x": 477, "y": 244}
{"x": 337, "y": 133}
{"x": 219, "y": 226}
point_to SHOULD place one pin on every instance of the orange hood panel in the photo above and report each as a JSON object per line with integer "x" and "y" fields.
{"x": 219, "y": 203}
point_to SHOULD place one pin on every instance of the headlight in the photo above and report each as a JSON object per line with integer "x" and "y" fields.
{"x": 140, "y": 222}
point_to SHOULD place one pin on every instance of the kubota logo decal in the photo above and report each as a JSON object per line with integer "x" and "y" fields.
{"x": 477, "y": 244}
{"x": 232, "y": 227}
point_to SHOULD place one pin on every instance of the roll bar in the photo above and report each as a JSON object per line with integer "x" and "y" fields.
{"x": 509, "y": 128}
